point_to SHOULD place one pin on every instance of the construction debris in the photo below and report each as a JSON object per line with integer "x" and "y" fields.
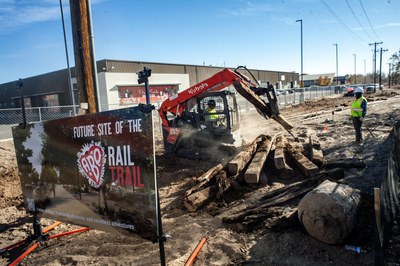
{"x": 248, "y": 205}
{"x": 250, "y": 212}
{"x": 248, "y": 167}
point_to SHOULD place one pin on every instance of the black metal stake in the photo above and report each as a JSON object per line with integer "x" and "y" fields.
{"x": 160, "y": 233}
{"x": 20, "y": 84}
{"x": 37, "y": 227}
{"x": 146, "y": 85}
{"x": 143, "y": 77}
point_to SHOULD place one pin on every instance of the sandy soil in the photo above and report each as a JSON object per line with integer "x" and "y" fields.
{"x": 226, "y": 245}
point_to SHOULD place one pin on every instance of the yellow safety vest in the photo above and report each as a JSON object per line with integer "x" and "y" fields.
{"x": 212, "y": 113}
{"x": 356, "y": 109}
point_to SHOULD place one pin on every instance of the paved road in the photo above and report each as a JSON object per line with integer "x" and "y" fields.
{"x": 5, "y": 132}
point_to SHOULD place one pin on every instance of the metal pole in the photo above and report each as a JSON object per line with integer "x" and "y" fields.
{"x": 365, "y": 71}
{"x": 355, "y": 68}
{"x": 301, "y": 45}
{"x": 66, "y": 54}
{"x": 20, "y": 85}
{"x": 337, "y": 71}
{"x": 146, "y": 84}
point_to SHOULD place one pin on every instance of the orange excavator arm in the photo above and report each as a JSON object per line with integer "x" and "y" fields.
{"x": 176, "y": 104}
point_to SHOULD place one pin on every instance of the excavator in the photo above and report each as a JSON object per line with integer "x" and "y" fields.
{"x": 189, "y": 128}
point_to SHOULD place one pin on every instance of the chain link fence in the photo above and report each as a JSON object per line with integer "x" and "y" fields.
{"x": 12, "y": 117}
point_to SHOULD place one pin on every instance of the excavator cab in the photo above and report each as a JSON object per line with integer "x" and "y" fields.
{"x": 203, "y": 126}
{"x": 216, "y": 111}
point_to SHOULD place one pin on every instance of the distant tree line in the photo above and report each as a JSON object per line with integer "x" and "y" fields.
{"x": 395, "y": 68}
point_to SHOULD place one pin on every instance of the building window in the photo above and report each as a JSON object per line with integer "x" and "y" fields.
{"x": 137, "y": 94}
{"x": 50, "y": 100}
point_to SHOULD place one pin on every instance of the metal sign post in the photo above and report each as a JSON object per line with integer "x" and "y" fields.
{"x": 143, "y": 77}
{"x": 20, "y": 84}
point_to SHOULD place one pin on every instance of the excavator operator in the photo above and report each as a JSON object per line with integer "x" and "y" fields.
{"x": 210, "y": 111}
{"x": 213, "y": 119}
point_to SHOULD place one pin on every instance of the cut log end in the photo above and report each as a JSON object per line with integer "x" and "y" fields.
{"x": 329, "y": 211}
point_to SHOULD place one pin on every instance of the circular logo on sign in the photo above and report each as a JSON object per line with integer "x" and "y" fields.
{"x": 91, "y": 162}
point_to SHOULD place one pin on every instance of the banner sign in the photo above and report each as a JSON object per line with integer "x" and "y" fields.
{"x": 95, "y": 170}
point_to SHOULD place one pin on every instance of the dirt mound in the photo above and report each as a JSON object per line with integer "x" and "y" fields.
{"x": 10, "y": 187}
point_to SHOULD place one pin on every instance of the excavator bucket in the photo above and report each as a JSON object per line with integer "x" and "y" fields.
{"x": 268, "y": 110}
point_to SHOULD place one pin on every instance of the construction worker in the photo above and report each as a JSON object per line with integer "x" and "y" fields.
{"x": 358, "y": 112}
{"x": 211, "y": 112}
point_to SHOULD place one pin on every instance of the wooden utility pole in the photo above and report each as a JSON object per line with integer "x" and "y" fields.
{"x": 375, "y": 44}
{"x": 82, "y": 52}
{"x": 380, "y": 67}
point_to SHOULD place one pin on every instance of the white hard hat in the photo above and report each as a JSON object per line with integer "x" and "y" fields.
{"x": 359, "y": 90}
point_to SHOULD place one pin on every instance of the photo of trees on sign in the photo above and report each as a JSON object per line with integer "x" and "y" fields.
{"x": 94, "y": 170}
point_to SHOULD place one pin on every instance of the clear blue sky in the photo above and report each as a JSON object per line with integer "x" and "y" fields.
{"x": 255, "y": 33}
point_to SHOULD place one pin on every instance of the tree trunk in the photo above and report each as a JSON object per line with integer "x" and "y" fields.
{"x": 329, "y": 211}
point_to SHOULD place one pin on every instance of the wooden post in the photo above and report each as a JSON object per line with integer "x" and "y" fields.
{"x": 242, "y": 158}
{"x": 279, "y": 156}
{"x": 83, "y": 62}
{"x": 253, "y": 172}
{"x": 377, "y": 207}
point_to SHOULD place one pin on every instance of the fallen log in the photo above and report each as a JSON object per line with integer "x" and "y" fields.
{"x": 200, "y": 198}
{"x": 329, "y": 211}
{"x": 204, "y": 180}
{"x": 284, "y": 218}
{"x": 253, "y": 172}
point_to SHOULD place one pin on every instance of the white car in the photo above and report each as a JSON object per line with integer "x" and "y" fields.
{"x": 370, "y": 88}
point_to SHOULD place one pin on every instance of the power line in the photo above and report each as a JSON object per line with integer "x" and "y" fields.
{"x": 355, "y": 37}
{"x": 359, "y": 23}
{"x": 368, "y": 19}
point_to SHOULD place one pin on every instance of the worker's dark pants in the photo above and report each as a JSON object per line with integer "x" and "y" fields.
{"x": 357, "y": 126}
